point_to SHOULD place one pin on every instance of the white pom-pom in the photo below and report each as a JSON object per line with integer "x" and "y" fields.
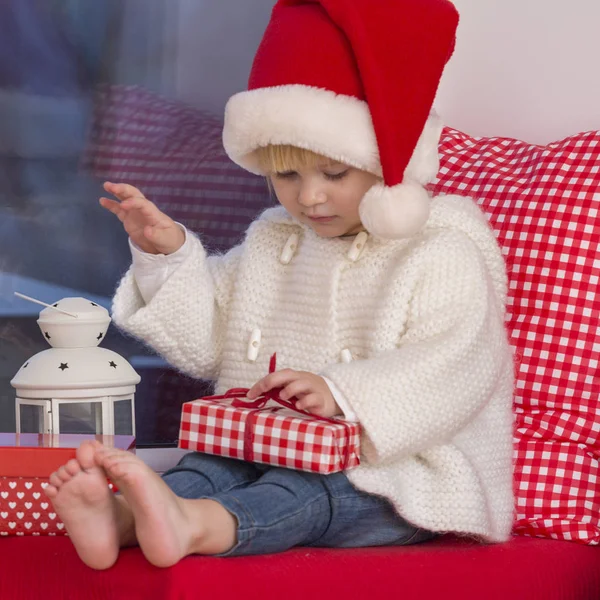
{"x": 394, "y": 212}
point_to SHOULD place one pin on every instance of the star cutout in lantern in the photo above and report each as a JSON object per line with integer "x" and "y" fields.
{"x": 63, "y": 366}
{"x": 99, "y": 336}
{"x": 47, "y": 334}
{"x": 113, "y": 364}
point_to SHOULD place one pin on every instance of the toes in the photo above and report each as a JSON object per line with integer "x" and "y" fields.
{"x": 85, "y": 454}
{"x": 113, "y": 465}
{"x": 97, "y": 445}
{"x": 120, "y": 466}
{"x": 72, "y": 467}
{"x": 55, "y": 481}
{"x": 114, "y": 470}
{"x": 100, "y": 455}
{"x": 109, "y": 456}
{"x": 63, "y": 474}
{"x": 51, "y": 491}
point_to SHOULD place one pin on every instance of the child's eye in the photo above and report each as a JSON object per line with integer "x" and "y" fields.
{"x": 336, "y": 176}
{"x": 285, "y": 174}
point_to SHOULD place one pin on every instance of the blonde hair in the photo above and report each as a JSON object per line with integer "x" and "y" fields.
{"x": 281, "y": 158}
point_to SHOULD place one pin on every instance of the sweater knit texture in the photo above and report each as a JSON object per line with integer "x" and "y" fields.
{"x": 431, "y": 375}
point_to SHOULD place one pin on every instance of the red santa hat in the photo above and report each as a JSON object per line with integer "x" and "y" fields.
{"x": 353, "y": 80}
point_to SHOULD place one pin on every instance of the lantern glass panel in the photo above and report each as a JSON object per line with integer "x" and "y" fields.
{"x": 122, "y": 412}
{"x": 80, "y": 417}
{"x": 32, "y": 418}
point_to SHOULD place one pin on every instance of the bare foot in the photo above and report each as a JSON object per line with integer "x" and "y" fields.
{"x": 162, "y": 527}
{"x": 80, "y": 495}
{"x": 167, "y": 527}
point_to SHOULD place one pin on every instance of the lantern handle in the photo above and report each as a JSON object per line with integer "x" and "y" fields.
{"x": 46, "y": 305}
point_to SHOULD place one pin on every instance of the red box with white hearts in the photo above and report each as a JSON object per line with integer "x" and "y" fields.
{"x": 26, "y": 462}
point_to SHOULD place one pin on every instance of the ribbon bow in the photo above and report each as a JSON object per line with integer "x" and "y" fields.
{"x": 262, "y": 400}
{"x": 260, "y": 404}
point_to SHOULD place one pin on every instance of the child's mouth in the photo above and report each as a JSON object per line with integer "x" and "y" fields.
{"x": 321, "y": 219}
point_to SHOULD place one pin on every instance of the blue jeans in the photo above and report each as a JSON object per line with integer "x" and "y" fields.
{"x": 278, "y": 508}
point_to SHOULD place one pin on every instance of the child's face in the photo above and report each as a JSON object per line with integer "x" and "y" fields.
{"x": 325, "y": 196}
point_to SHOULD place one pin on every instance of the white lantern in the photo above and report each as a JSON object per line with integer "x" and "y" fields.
{"x": 75, "y": 374}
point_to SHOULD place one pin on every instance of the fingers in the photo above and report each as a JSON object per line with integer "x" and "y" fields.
{"x": 311, "y": 391}
{"x": 129, "y": 198}
{"x": 113, "y": 206}
{"x": 123, "y": 191}
{"x": 319, "y": 405}
{"x": 146, "y": 208}
{"x": 272, "y": 380}
{"x": 296, "y": 388}
{"x": 312, "y": 403}
{"x": 133, "y": 202}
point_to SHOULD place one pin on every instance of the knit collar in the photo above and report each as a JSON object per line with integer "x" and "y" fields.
{"x": 279, "y": 215}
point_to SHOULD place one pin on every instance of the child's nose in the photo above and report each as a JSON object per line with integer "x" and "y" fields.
{"x": 310, "y": 197}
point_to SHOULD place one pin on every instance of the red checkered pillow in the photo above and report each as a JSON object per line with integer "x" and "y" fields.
{"x": 543, "y": 203}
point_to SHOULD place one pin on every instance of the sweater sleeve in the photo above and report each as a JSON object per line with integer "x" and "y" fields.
{"x": 446, "y": 364}
{"x": 184, "y": 319}
{"x": 152, "y": 270}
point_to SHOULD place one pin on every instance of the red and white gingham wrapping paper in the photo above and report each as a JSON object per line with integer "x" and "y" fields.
{"x": 281, "y": 437}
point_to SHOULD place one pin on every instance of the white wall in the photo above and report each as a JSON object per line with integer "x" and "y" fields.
{"x": 524, "y": 68}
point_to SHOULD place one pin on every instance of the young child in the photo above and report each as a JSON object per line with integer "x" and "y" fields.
{"x": 382, "y": 304}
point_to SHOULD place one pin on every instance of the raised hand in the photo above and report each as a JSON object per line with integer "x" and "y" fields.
{"x": 148, "y": 227}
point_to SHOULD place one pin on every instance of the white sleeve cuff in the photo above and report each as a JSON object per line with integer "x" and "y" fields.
{"x": 341, "y": 401}
{"x": 150, "y": 271}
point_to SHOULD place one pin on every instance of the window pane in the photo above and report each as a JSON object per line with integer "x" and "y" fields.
{"x": 118, "y": 90}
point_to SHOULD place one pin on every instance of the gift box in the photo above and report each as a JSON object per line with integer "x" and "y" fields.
{"x": 26, "y": 462}
{"x": 268, "y": 430}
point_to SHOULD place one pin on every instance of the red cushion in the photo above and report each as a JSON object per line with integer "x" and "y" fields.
{"x": 46, "y": 567}
{"x": 542, "y": 202}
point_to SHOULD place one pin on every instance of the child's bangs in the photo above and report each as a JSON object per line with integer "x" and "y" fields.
{"x": 282, "y": 158}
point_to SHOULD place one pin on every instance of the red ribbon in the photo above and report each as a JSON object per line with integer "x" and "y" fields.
{"x": 259, "y": 405}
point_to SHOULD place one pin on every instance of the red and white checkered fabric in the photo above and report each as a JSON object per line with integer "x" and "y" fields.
{"x": 543, "y": 203}
{"x": 275, "y": 436}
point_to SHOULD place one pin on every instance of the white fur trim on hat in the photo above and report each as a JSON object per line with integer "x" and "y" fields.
{"x": 334, "y": 125}
{"x": 316, "y": 119}
{"x": 395, "y": 212}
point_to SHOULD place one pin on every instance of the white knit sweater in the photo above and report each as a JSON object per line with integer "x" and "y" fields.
{"x": 431, "y": 377}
